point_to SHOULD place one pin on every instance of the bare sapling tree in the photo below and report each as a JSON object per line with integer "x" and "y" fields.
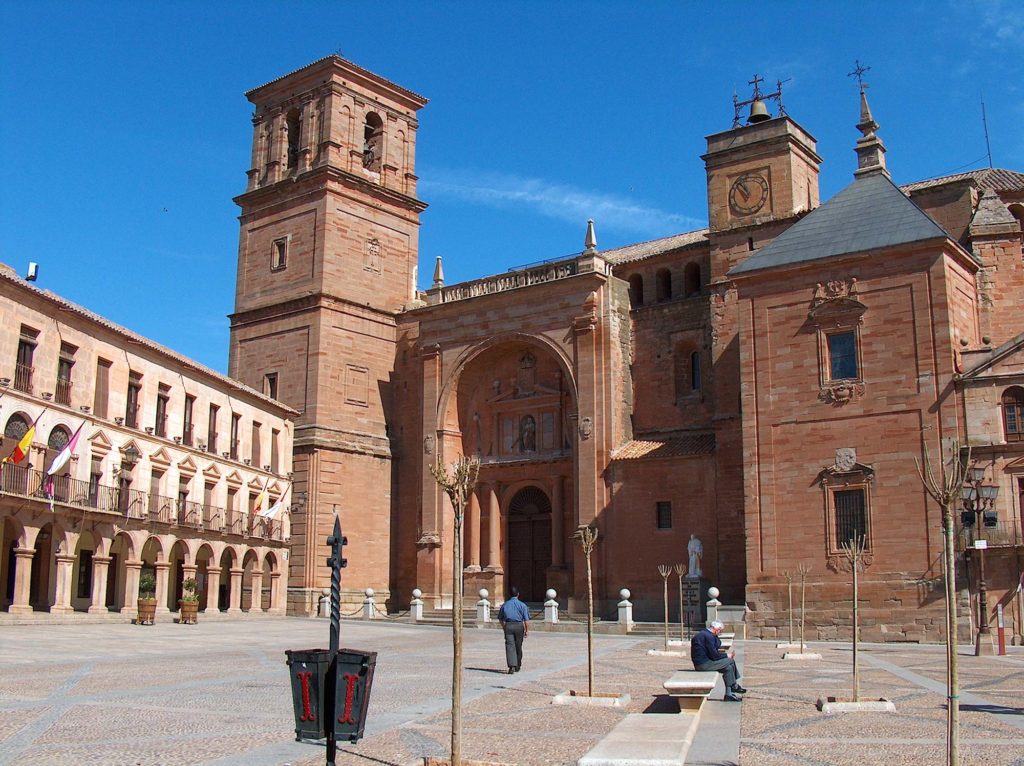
{"x": 665, "y": 570}
{"x": 587, "y": 537}
{"x": 802, "y": 570}
{"x": 854, "y": 551}
{"x": 681, "y": 573}
{"x": 945, "y": 490}
{"x": 457, "y": 485}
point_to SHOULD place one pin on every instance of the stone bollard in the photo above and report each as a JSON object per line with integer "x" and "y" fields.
{"x": 625, "y": 611}
{"x": 550, "y": 607}
{"x": 325, "y": 604}
{"x": 416, "y": 605}
{"x": 713, "y": 604}
{"x": 483, "y": 608}
{"x": 368, "y": 605}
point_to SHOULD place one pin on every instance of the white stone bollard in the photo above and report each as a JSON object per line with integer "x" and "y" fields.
{"x": 550, "y": 607}
{"x": 416, "y": 605}
{"x": 368, "y": 604}
{"x": 713, "y": 604}
{"x": 483, "y": 607}
{"x": 625, "y": 610}
{"x": 325, "y": 604}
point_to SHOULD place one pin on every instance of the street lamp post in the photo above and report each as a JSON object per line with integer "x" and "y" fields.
{"x": 978, "y": 499}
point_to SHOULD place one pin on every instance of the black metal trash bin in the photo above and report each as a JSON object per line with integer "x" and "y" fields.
{"x": 352, "y": 692}
{"x": 308, "y": 670}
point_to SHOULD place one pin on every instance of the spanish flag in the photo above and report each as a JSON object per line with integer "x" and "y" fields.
{"x": 23, "y": 446}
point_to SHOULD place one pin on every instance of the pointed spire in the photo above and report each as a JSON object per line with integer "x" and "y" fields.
{"x": 870, "y": 149}
{"x": 438, "y": 273}
{"x": 590, "y": 243}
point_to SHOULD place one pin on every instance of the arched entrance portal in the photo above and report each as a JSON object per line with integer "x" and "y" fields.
{"x": 529, "y": 542}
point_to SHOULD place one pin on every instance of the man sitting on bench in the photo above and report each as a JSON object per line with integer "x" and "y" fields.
{"x": 706, "y": 653}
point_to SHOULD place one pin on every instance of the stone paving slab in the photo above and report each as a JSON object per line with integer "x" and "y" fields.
{"x": 217, "y": 694}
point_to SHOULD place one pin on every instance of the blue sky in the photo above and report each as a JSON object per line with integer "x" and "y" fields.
{"x": 126, "y": 131}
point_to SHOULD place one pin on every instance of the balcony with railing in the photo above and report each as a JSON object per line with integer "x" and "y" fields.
{"x": 23, "y": 378}
{"x": 134, "y": 504}
{"x": 62, "y": 393}
{"x": 1003, "y": 534}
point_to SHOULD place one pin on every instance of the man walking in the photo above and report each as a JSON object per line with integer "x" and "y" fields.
{"x": 706, "y": 654}
{"x": 515, "y": 623}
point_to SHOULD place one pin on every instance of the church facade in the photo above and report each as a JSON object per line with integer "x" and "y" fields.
{"x": 744, "y": 399}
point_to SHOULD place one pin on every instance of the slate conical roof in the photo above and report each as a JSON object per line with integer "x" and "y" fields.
{"x": 869, "y": 214}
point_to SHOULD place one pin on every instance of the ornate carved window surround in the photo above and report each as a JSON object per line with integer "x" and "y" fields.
{"x": 835, "y": 312}
{"x": 840, "y": 484}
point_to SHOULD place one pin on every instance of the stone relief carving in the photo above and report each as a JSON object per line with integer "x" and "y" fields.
{"x": 839, "y": 394}
{"x": 372, "y": 256}
{"x": 834, "y": 289}
{"x": 428, "y": 444}
{"x": 846, "y": 459}
{"x": 839, "y": 564}
{"x": 586, "y": 428}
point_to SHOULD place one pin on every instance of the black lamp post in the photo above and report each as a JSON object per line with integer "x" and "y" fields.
{"x": 978, "y": 499}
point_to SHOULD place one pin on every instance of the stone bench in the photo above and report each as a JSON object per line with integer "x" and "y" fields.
{"x": 645, "y": 739}
{"x": 691, "y": 687}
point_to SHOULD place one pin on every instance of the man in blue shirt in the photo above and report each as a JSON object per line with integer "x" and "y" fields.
{"x": 515, "y": 622}
{"x": 706, "y": 654}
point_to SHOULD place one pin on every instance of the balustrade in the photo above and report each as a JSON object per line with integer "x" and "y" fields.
{"x": 134, "y": 504}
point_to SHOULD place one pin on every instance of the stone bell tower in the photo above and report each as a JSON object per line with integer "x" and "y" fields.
{"x": 326, "y": 259}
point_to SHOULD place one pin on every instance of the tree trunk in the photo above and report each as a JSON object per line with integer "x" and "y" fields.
{"x": 856, "y": 666}
{"x": 457, "y": 643}
{"x": 590, "y": 630}
{"x": 953, "y": 693}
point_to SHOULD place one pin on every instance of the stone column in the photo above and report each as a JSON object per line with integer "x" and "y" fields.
{"x": 62, "y": 594}
{"x": 212, "y": 589}
{"x": 494, "y": 529}
{"x": 256, "y": 591}
{"x": 100, "y": 564}
{"x": 235, "y": 600}
{"x": 188, "y": 571}
{"x": 557, "y": 524}
{"x": 256, "y": 170}
{"x": 163, "y": 569}
{"x": 22, "y": 581}
{"x": 275, "y": 594}
{"x": 132, "y": 572}
{"x": 473, "y": 543}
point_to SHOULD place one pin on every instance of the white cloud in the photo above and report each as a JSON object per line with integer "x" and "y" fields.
{"x": 559, "y": 201}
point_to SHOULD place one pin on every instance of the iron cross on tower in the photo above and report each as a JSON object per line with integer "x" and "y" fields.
{"x": 858, "y": 72}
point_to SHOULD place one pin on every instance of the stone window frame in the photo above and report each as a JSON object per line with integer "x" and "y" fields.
{"x": 832, "y": 480}
{"x": 1012, "y": 399}
{"x": 279, "y": 248}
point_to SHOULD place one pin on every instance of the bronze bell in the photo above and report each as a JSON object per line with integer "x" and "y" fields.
{"x": 758, "y": 112}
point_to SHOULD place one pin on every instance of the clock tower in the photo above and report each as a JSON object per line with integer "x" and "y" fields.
{"x": 327, "y": 260}
{"x": 761, "y": 176}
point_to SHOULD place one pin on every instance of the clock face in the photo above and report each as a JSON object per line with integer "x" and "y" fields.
{"x": 748, "y": 193}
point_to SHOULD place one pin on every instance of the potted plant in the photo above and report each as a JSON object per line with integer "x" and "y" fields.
{"x": 147, "y": 599}
{"x": 189, "y": 603}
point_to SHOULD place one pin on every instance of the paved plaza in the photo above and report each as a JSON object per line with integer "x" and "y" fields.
{"x": 217, "y": 693}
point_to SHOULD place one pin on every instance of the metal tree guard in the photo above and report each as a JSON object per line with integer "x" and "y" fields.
{"x": 789, "y": 588}
{"x": 665, "y": 571}
{"x": 802, "y": 570}
{"x": 681, "y": 573}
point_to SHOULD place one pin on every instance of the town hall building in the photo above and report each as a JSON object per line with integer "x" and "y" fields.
{"x": 758, "y": 392}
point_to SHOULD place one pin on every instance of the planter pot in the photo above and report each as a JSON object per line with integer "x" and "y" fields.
{"x": 189, "y": 612}
{"x": 147, "y": 611}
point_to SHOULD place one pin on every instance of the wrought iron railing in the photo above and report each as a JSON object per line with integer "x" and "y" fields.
{"x": 134, "y": 504}
{"x": 1004, "y": 533}
{"x": 23, "y": 378}
{"x": 62, "y": 393}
